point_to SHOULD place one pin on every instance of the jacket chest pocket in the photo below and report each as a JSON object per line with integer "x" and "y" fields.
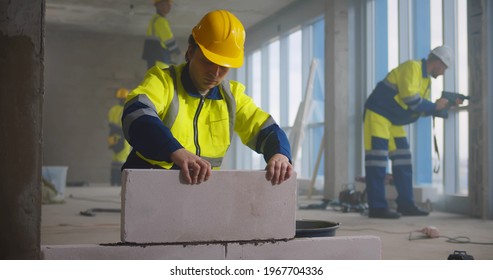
{"x": 219, "y": 124}
{"x": 219, "y": 129}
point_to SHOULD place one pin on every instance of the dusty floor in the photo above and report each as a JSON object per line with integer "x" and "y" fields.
{"x": 63, "y": 224}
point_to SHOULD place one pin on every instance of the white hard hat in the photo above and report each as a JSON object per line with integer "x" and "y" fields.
{"x": 445, "y": 54}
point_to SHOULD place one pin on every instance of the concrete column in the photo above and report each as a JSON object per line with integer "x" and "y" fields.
{"x": 480, "y": 46}
{"x": 21, "y": 100}
{"x": 336, "y": 128}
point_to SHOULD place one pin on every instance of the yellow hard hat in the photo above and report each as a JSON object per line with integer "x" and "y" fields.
{"x": 121, "y": 93}
{"x": 221, "y": 37}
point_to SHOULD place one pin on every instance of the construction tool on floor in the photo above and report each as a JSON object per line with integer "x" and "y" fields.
{"x": 92, "y": 211}
{"x": 323, "y": 205}
{"x": 460, "y": 255}
{"x": 351, "y": 200}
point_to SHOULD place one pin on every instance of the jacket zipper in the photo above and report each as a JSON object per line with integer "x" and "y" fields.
{"x": 196, "y": 127}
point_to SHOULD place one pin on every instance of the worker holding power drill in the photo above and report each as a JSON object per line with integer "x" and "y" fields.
{"x": 400, "y": 99}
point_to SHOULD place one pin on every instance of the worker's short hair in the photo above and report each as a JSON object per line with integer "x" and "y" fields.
{"x": 192, "y": 45}
{"x": 191, "y": 41}
{"x": 432, "y": 57}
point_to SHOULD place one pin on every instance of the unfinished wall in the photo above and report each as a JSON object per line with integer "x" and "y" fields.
{"x": 82, "y": 72}
{"x": 21, "y": 98}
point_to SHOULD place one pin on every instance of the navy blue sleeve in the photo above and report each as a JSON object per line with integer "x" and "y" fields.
{"x": 429, "y": 109}
{"x": 149, "y": 136}
{"x": 272, "y": 140}
{"x": 152, "y": 139}
{"x": 426, "y": 107}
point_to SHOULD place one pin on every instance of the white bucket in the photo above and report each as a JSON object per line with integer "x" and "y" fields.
{"x": 57, "y": 175}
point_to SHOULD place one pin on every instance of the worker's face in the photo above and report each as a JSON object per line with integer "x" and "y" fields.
{"x": 438, "y": 69}
{"x": 164, "y": 7}
{"x": 204, "y": 73}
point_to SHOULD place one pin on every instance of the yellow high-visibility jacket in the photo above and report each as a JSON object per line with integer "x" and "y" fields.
{"x": 160, "y": 43}
{"x": 161, "y": 116}
{"x": 159, "y": 27}
{"x": 404, "y": 95}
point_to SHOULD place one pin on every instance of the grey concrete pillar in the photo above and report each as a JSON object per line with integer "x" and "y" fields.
{"x": 21, "y": 100}
{"x": 336, "y": 129}
{"x": 480, "y": 44}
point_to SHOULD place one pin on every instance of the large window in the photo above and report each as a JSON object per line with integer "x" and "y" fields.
{"x": 462, "y": 130}
{"x": 294, "y": 80}
{"x": 449, "y": 27}
{"x": 255, "y": 90}
{"x": 276, "y": 78}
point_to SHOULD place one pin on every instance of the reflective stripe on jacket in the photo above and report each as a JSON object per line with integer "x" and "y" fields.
{"x": 404, "y": 95}
{"x": 201, "y": 125}
{"x": 121, "y": 148}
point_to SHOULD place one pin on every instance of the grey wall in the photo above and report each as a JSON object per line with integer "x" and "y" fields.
{"x": 82, "y": 72}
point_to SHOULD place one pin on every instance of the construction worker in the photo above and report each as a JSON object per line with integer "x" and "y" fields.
{"x": 183, "y": 117}
{"x": 400, "y": 99}
{"x": 116, "y": 142}
{"x": 160, "y": 47}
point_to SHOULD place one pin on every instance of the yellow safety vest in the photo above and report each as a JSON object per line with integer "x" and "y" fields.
{"x": 409, "y": 81}
{"x": 203, "y": 126}
{"x": 159, "y": 27}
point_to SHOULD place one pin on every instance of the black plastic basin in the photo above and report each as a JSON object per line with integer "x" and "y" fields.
{"x": 315, "y": 228}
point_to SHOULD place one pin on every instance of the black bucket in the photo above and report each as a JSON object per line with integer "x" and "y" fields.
{"x": 315, "y": 228}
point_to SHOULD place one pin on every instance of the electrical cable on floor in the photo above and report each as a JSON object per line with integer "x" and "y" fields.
{"x": 456, "y": 240}
{"x": 68, "y": 228}
{"x": 92, "y": 199}
{"x": 372, "y": 229}
{"x": 107, "y": 225}
{"x": 428, "y": 233}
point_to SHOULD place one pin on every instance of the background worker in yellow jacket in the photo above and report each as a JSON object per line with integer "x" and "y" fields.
{"x": 116, "y": 142}
{"x": 184, "y": 117}
{"x": 400, "y": 99}
{"x": 160, "y": 47}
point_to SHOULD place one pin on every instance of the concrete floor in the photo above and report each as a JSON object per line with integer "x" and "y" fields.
{"x": 63, "y": 224}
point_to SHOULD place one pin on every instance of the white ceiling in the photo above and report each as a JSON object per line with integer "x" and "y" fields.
{"x": 132, "y": 16}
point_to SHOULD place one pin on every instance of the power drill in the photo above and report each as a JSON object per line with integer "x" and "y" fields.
{"x": 452, "y": 96}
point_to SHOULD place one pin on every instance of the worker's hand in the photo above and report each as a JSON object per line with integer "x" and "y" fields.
{"x": 194, "y": 169}
{"x": 278, "y": 169}
{"x": 458, "y": 101}
{"x": 441, "y": 104}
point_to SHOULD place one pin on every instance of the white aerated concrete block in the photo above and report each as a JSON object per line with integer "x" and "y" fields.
{"x": 317, "y": 248}
{"x": 133, "y": 252}
{"x": 230, "y": 206}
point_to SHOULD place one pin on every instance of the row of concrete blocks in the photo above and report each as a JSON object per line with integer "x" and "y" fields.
{"x": 316, "y": 248}
{"x": 234, "y": 215}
